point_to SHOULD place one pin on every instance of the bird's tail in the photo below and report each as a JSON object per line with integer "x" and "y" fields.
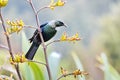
{"x": 31, "y": 52}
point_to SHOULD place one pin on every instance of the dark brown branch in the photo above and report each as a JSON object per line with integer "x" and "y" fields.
{"x": 18, "y": 72}
{"x": 9, "y": 45}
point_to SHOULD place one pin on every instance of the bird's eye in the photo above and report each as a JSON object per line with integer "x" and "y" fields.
{"x": 59, "y": 23}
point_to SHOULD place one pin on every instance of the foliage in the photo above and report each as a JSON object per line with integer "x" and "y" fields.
{"x": 30, "y": 69}
{"x": 109, "y": 72}
{"x": 15, "y": 66}
{"x": 78, "y": 64}
{"x": 111, "y": 34}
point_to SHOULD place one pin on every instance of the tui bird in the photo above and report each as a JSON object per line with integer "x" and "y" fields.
{"x": 48, "y": 31}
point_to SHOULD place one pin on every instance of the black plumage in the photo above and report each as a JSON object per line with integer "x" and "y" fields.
{"x": 48, "y": 31}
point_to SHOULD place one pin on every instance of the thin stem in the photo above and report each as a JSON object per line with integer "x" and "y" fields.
{"x": 18, "y": 72}
{"x": 27, "y": 26}
{"x": 52, "y": 42}
{"x": 47, "y": 64}
{"x": 31, "y": 4}
{"x": 7, "y": 37}
{"x": 4, "y": 47}
{"x": 37, "y": 62}
{"x": 9, "y": 44}
{"x": 42, "y": 9}
{"x": 64, "y": 75}
{"x": 41, "y": 37}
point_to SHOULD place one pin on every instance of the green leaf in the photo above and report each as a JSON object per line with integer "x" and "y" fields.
{"x": 78, "y": 65}
{"x": 25, "y": 42}
{"x": 30, "y": 71}
{"x": 26, "y": 72}
{"x": 109, "y": 72}
{"x": 38, "y": 75}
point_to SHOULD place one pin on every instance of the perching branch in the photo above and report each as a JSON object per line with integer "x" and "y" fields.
{"x": 41, "y": 37}
{"x": 9, "y": 46}
{"x": 27, "y": 26}
{"x": 52, "y": 42}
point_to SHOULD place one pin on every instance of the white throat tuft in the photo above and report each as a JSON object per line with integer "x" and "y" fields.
{"x": 52, "y": 23}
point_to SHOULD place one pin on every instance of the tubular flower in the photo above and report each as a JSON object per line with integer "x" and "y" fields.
{"x": 54, "y": 4}
{"x": 63, "y": 37}
{"x": 5, "y": 77}
{"x": 63, "y": 71}
{"x": 78, "y": 72}
{"x": 73, "y": 38}
{"x": 17, "y": 23}
{"x": 15, "y": 26}
{"x": 18, "y": 59}
{"x": 3, "y": 3}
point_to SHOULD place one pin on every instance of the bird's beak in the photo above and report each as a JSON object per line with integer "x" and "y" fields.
{"x": 65, "y": 25}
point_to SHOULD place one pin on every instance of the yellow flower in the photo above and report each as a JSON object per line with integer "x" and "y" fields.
{"x": 3, "y": 3}
{"x": 15, "y": 23}
{"x": 73, "y": 38}
{"x": 23, "y": 59}
{"x": 54, "y": 4}
{"x": 63, "y": 71}
{"x": 78, "y": 72}
{"x": 60, "y": 3}
{"x": 18, "y": 59}
{"x": 20, "y": 22}
{"x": 63, "y": 37}
{"x": 11, "y": 61}
{"x": 15, "y": 26}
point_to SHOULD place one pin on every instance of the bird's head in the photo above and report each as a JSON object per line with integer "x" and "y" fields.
{"x": 56, "y": 23}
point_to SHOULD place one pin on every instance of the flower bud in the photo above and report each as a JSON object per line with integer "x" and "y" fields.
{"x": 3, "y": 3}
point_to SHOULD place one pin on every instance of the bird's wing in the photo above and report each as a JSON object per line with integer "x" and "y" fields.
{"x": 36, "y": 32}
{"x": 43, "y": 25}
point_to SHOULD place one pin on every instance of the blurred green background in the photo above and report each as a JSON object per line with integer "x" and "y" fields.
{"x": 96, "y": 21}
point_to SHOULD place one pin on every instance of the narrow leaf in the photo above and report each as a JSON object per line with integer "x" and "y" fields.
{"x": 38, "y": 75}
{"x": 78, "y": 64}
